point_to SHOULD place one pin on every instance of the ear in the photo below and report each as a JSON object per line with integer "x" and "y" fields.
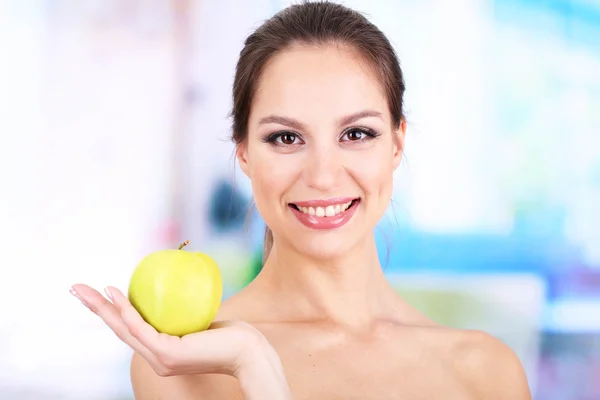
{"x": 241, "y": 153}
{"x": 399, "y": 143}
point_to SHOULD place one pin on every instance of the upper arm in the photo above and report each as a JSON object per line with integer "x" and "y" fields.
{"x": 147, "y": 385}
{"x": 492, "y": 369}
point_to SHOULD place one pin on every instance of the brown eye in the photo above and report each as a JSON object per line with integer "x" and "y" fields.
{"x": 287, "y": 138}
{"x": 284, "y": 139}
{"x": 358, "y": 135}
{"x": 355, "y": 134}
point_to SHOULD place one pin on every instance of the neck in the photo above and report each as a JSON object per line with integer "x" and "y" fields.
{"x": 350, "y": 290}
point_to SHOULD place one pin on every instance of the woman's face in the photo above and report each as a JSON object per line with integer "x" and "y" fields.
{"x": 321, "y": 150}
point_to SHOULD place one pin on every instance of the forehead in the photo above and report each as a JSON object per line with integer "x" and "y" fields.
{"x": 310, "y": 82}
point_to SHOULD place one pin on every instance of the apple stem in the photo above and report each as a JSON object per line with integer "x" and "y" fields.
{"x": 182, "y": 245}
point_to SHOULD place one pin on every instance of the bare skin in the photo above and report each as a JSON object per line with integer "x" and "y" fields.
{"x": 322, "y": 300}
{"x": 402, "y": 355}
{"x": 390, "y": 352}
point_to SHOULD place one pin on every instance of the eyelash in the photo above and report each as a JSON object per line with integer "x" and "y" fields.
{"x": 368, "y": 132}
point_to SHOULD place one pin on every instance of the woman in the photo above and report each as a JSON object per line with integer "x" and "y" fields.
{"x": 319, "y": 128}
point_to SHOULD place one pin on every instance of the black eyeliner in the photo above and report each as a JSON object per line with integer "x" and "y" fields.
{"x": 367, "y": 131}
{"x": 275, "y": 135}
{"x": 272, "y": 138}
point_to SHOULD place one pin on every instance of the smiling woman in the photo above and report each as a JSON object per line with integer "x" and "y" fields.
{"x": 319, "y": 129}
{"x": 320, "y": 125}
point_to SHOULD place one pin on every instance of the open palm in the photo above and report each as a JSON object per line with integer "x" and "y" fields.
{"x": 220, "y": 349}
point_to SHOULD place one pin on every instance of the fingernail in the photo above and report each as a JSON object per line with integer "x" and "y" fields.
{"x": 74, "y": 293}
{"x": 107, "y": 291}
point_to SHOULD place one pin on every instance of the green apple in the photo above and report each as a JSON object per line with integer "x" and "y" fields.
{"x": 178, "y": 292}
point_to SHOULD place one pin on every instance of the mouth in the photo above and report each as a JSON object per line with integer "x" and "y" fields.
{"x": 324, "y": 210}
{"x": 325, "y": 214}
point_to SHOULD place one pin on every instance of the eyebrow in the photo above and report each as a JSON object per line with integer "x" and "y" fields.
{"x": 292, "y": 123}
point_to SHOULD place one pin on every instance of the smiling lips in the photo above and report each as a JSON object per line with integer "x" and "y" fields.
{"x": 325, "y": 214}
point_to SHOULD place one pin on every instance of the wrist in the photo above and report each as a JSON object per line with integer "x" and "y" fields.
{"x": 261, "y": 374}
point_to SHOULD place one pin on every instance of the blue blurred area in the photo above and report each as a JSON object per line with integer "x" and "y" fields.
{"x": 577, "y": 21}
{"x": 466, "y": 253}
{"x": 228, "y": 207}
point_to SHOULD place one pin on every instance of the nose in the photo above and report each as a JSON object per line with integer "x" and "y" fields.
{"x": 323, "y": 168}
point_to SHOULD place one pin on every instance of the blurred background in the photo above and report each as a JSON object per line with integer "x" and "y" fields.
{"x": 115, "y": 143}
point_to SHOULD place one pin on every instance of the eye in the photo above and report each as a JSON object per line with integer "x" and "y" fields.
{"x": 287, "y": 138}
{"x": 358, "y": 134}
{"x": 283, "y": 139}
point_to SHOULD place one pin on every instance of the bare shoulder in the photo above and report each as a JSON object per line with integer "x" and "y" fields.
{"x": 487, "y": 366}
{"x": 148, "y": 385}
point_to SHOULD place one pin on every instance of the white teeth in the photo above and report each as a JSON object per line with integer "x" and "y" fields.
{"x": 329, "y": 211}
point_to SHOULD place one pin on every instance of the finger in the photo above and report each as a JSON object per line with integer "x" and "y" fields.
{"x": 92, "y": 299}
{"x": 111, "y": 317}
{"x": 138, "y": 327}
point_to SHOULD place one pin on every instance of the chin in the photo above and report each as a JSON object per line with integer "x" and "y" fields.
{"x": 325, "y": 247}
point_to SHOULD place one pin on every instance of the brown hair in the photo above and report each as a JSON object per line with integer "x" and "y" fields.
{"x": 312, "y": 23}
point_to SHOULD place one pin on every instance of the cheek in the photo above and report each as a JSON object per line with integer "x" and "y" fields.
{"x": 268, "y": 179}
{"x": 376, "y": 171}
